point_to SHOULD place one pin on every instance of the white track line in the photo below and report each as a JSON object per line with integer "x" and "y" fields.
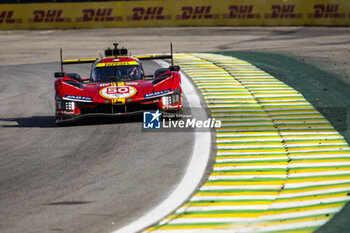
{"x": 195, "y": 169}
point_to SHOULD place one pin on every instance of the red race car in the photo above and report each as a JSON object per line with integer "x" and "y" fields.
{"x": 117, "y": 86}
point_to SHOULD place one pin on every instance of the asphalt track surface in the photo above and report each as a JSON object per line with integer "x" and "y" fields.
{"x": 90, "y": 177}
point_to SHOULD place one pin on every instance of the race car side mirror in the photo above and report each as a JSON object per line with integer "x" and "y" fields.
{"x": 174, "y": 68}
{"x": 59, "y": 74}
{"x": 149, "y": 77}
{"x": 85, "y": 80}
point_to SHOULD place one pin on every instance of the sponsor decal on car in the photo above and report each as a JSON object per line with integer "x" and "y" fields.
{"x": 131, "y": 83}
{"x": 65, "y": 112}
{"x": 105, "y": 84}
{"x": 172, "y": 106}
{"x": 120, "y": 92}
{"x": 77, "y": 98}
{"x": 125, "y": 63}
{"x": 158, "y": 93}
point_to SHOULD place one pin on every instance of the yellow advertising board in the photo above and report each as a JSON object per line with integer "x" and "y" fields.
{"x": 175, "y": 13}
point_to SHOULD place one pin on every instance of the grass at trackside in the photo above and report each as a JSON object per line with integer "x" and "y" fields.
{"x": 326, "y": 92}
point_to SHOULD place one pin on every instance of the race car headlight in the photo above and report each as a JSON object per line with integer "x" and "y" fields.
{"x": 69, "y": 106}
{"x": 171, "y": 99}
{"x": 167, "y": 100}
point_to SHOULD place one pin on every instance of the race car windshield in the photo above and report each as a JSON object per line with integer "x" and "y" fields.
{"x": 116, "y": 73}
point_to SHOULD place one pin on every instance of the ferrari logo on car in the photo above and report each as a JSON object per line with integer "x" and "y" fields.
{"x": 118, "y": 92}
{"x": 130, "y": 63}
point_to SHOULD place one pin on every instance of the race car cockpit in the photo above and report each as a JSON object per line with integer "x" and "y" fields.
{"x": 115, "y": 73}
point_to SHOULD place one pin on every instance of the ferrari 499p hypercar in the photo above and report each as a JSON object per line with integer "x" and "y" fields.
{"x": 117, "y": 86}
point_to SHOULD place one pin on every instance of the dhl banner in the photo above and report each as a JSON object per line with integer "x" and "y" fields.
{"x": 160, "y": 13}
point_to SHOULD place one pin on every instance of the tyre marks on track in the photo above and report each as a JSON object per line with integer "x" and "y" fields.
{"x": 280, "y": 165}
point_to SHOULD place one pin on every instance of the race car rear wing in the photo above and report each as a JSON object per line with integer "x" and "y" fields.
{"x": 153, "y": 57}
{"x": 117, "y": 52}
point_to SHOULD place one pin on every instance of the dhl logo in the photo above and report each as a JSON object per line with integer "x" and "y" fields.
{"x": 283, "y": 11}
{"x": 148, "y": 13}
{"x": 48, "y": 16}
{"x": 241, "y": 12}
{"x": 98, "y": 15}
{"x": 197, "y": 12}
{"x": 7, "y": 17}
{"x": 326, "y": 11}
